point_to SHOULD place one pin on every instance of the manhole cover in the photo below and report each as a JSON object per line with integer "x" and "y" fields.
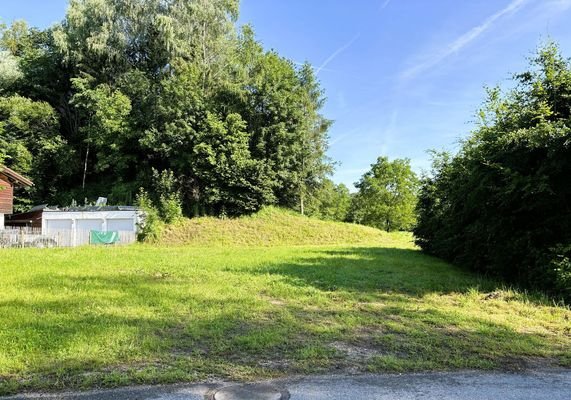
{"x": 250, "y": 392}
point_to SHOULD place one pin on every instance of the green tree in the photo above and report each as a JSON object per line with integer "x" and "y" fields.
{"x": 313, "y": 144}
{"x": 208, "y": 151}
{"x": 105, "y": 126}
{"x": 329, "y": 201}
{"x": 387, "y": 196}
{"x": 502, "y": 205}
{"x": 30, "y": 143}
{"x": 9, "y": 70}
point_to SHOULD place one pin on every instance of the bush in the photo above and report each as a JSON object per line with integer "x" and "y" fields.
{"x": 170, "y": 208}
{"x": 170, "y": 203}
{"x": 150, "y": 224}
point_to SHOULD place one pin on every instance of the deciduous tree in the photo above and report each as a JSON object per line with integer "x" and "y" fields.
{"x": 387, "y": 196}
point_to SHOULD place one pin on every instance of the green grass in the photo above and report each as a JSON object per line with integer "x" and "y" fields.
{"x": 90, "y": 317}
{"x": 273, "y": 226}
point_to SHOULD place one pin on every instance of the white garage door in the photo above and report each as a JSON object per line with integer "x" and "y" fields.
{"x": 89, "y": 224}
{"x": 54, "y": 225}
{"x": 120, "y": 224}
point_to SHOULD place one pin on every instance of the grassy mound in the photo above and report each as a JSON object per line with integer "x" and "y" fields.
{"x": 274, "y": 226}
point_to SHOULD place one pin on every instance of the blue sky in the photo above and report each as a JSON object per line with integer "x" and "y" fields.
{"x": 401, "y": 76}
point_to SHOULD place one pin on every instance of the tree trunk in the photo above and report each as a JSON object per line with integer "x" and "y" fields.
{"x": 85, "y": 167}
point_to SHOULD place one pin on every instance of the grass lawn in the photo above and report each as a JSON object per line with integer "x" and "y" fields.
{"x": 90, "y": 317}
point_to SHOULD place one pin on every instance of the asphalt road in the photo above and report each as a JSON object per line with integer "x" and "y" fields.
{"x": 537, "y": 385}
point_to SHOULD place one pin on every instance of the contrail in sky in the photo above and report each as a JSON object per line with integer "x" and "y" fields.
{"x": 335, "y": 54}
{"x": 462, "y": 40}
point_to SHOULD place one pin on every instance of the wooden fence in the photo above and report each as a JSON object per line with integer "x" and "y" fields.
{"x": 33, "y": 237}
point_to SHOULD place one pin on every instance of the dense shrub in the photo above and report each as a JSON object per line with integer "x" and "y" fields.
{"x": 502, "y": 205}
{"x": 150, "y": 223}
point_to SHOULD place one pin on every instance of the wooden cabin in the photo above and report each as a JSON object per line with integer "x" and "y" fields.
{"x": 8, "y": 180}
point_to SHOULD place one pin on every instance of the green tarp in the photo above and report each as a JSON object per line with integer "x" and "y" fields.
{"x": 98, "y": 237}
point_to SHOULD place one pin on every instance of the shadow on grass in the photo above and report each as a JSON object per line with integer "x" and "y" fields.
{"x": 360, "y": 308}
{"x": 369, "y": 270}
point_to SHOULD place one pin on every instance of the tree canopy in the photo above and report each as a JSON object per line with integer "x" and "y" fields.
{"x": 387, "y": 196}
{"x": 329, "y": 201}
{"x": 121, "y": 91}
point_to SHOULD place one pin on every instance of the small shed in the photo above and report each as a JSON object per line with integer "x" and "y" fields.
{"x": 71, "y": 226}
{"x": 8, "y": 180}
{"x": 105, "y": 218}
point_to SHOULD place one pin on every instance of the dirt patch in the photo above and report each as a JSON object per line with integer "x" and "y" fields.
{"x": 356, "y": 352}
{"x": 273, "y": 301}
{"x": 275, "y": 365}
{"x": 528, "y": 363}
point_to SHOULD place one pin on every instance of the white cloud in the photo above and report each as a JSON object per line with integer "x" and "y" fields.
{"x": 462, "y": 41}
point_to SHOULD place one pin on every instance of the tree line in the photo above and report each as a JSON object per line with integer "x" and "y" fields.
{"x": 174, "y": 98}
{"x": 166, "y": 95}
{"x": 502, "y": 204}
{"x": 386, "y": 197}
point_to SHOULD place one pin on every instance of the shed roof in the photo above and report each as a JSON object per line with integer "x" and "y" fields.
{"x": 89, "y": 208}
{"x": 15, "y": 177}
